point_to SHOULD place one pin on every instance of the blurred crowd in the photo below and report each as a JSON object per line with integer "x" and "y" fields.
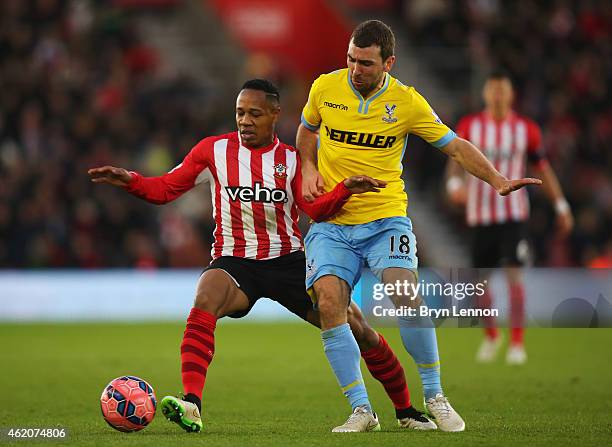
{"x": 79, "y": 88}
{"x": 559, "y": 55}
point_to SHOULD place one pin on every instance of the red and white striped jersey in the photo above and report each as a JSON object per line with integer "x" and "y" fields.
{"x": 256, "y": 194}
{"x": 507, "y": 144}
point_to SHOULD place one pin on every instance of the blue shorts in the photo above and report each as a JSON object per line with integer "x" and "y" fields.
{"x": 343, "y": 250}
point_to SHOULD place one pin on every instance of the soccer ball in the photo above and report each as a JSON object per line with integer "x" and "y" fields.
{"x": 128, "y": 403}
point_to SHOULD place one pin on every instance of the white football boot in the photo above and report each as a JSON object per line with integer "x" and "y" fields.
{"x": 516, "y": 355}
{"x": 489, "y": 348}
{"x": 359, "y": 421}
{"x": 444, "y": 414}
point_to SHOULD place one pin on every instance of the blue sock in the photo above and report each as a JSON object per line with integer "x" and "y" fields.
{"x": 343, "y": 355}
{"x": 419, "y": 338}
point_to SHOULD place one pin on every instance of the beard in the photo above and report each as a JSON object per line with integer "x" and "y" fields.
{"x": 369, "y": 88}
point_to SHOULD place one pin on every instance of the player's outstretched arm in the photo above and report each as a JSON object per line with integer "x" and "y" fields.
{"x": 473, "y": 161}
{"x": 312, "y": 181}
{"x": 158, "y": 190}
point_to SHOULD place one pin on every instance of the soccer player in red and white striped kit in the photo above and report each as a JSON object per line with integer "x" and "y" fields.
{"x": 255, "y": 182}
{"x": 508, "y": 140}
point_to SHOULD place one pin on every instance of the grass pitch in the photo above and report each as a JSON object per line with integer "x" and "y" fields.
{"x": 270, "y": 384}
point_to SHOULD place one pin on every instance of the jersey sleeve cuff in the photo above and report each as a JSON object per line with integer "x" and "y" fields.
{"x": 450, "y": 135}
{"x": 134, "y": 182}
{"x": 309, "y": 126}
{"x": 343, "y": 192}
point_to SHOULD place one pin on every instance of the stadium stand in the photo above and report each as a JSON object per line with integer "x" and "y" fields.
{"x": 79, "y": 87}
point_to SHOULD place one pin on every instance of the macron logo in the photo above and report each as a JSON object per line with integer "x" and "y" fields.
{"x": 335, "y": 106}
{"x": 258, "y": 193}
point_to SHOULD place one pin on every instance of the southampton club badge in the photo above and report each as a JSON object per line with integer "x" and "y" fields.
{"x": 280, "y": 171}
{"x": 389, "y": 111}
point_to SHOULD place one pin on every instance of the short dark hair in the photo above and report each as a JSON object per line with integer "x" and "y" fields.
{"x": 265, "y": 86}
{"x": 375, "y": 32}
{"x": 499, "y": 74}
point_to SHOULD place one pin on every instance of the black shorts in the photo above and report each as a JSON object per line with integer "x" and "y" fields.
{"x": 281, "y": 279}
{"x": 499, "y": 245}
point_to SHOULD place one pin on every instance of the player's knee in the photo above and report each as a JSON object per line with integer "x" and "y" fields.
{"x": 332, "y": 301}
{"x": 329, "y": 298}
{"x": 208, "y": 302}
{"x": 211, "y": 294}
{"x": 329, "y": 305}
{"x": 331, "y": 310}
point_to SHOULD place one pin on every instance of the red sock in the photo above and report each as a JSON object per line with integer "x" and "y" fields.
{"x": 517, "y": 313}
{"x": 386, "y": 368}
{"x": 490, "y": 326}
{"x": 197, "y": 350}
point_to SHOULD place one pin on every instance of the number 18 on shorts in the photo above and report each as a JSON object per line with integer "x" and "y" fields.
{"x": 343, "y": 250}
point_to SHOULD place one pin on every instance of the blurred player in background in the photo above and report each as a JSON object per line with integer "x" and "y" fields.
{"x": 256, "y": 185}
{"x": 498, "y": 223}
{"x": 358, "y": 120}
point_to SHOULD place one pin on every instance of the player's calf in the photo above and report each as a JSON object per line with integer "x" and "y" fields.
{"x": 367, "y": 338}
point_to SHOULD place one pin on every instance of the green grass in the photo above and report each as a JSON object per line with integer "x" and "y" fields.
{"x": 270, "y": 384}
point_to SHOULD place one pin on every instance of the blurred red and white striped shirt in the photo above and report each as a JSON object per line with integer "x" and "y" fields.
{"x": 256, "y": 195}
{"x": 508, "y": 144}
